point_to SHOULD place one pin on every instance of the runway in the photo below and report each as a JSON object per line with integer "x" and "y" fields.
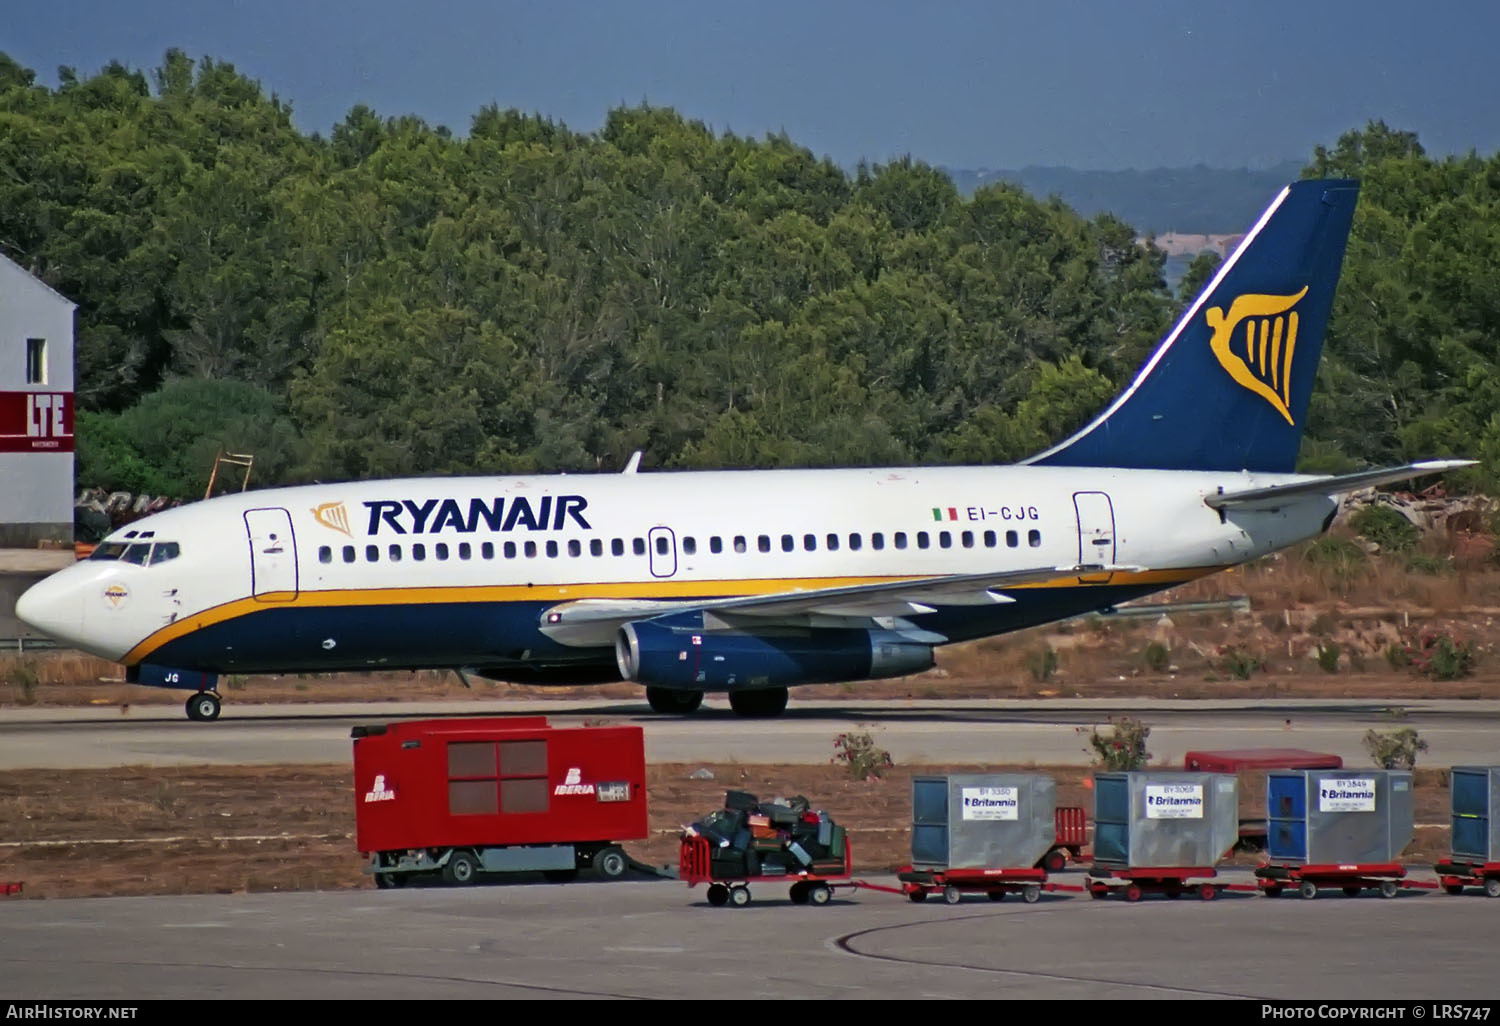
{"x": 661, "y": 940}
{"x": 1045, "y": 732}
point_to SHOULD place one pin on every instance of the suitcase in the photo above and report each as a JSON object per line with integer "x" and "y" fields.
{"x": 755, "y": 819}
{"x": 825, "y": 831}
{"x": 780, "y": 815}
{"x": 799, "y": 853}
{"x": 726, "y": 865}
{"x": 836, "y": 843}
{"x": 740, "y": 801}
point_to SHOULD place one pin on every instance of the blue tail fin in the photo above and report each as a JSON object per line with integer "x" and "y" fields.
{"x": 1228, "y": 388}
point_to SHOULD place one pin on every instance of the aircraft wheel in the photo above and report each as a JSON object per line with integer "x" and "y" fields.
{"x": 672, "y": 701}
{"x": 203, "y": 706}
{"x": 759, "y": 702}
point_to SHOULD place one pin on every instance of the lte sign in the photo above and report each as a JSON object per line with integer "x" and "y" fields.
{"x": 36, "y": 421}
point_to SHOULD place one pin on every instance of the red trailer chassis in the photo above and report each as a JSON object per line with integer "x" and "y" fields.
{"x": 812, "y": 886}
{"x": 1389, "y": 878}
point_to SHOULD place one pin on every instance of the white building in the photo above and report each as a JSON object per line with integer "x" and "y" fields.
{"x": 36, "y": 411}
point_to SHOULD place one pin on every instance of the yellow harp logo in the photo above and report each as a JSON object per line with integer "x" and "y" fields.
{"x": 1270, "y": 340}
{"x": 333, "y": 514}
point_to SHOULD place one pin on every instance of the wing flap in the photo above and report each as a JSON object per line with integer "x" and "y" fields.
{"x": 1278, "y": 495}
{"x": 593, "y": 622}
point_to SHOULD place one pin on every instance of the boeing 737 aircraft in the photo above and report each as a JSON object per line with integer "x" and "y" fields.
{"x": 748, "y": 582}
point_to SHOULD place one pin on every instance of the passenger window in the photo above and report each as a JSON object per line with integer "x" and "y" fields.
{"x": 739, "y": 543}
{"x": 552, "y": 550}
{"x": 989, "y": 539}
{"x": 596, "y": 547}
{"x": 877, "y": 540}
{"x": 463, "y": 550}
{"x": 487, "y": 550}
{"x": 617, "y": 546}
{"x": 395, "y": 553}
{"x": 715, "y": 544}
{"x": 788, "y": 543}
{"x": 945, "y": 540}
{"x": 575, "y": 547}
{"x": 1035, "y": 538}
{"x": 372, "y": 553}
{"x": 348, "y": 553}
{"x": 138, "y": 554}
{"x": 833, "y": 543}
{"x": 531, "y": 550}
{"x": 1012, "y": 539}
{"x": 968, "y": 539}
{"x": 809, "y": 542}
{"x": 922, "y": 542}
{"x": 509, "y": 550}
{"x": 441, "y": 550}
{"x": 662, "y": 545}
{"x": 639, "y": 546}
{"x": 325, "y": 554}
{"x": 900, "y": 539}
{"x": 689, "y": 545}
{"x": 763, "y": 543}
{"x": 854, "y": 542}
{"x": 418, "y": 551}
{"x": 169, "y": 550}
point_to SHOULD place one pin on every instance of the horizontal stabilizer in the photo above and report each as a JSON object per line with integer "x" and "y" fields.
{"x": 1277, "y": 495}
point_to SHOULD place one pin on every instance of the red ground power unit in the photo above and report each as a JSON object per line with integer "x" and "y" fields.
{"x": 458, "y": 798}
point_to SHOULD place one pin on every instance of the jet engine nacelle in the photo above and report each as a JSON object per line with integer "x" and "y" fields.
{"x": 680, "y": 657}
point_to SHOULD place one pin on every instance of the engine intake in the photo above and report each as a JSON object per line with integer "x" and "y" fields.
{"x": 680, "y": 657}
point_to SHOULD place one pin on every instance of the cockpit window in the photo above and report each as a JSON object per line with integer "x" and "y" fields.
{"x": 138, "y": 554}
{"x": 108, "y": 550}
{"x": 163, "y": 552}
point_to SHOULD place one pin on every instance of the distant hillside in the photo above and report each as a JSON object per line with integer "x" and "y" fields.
{"x": 1197, "y": 200}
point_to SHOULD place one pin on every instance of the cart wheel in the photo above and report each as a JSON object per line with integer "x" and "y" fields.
{"x": 1174, "y": 890}
{"x": 819, "y": 894}
{"x": 739, "y": 896}
{"x": 1454, "y": 888}
{"x": 951, "y": 895}
{"x": 718, "y": 894}
{"x": 1389, "y": 888}
{"x": 1273, "y": 891}
{"x": 1208, "y": 892}
{"x": 799, "y": 894}
{"x": 1352, "y": 890}
{"x": 461, "y": 869}
{"x": 1307, "y": 889}
{"x": 996, "y": 895}
{"x": 1492, "y": 886}
{"x": 610, "y": 863}
{"x": 917, "y": 896}
{"x": 1031, "y": 894}
{"x": 1098, "y": 891}
{"x": 1055, "y": 861}
{"x": 1133, "y": 892}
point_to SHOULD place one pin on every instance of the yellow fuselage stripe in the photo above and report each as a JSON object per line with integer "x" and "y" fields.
{"x": 464, "y": 594}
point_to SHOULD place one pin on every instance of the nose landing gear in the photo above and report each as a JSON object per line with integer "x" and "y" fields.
{"x": 203, "y": 705}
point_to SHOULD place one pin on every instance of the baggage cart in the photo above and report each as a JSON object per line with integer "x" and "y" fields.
{"x": 953, "y": 884}
{"x": 1456, "y": 875}
{"x": 1353, "y": 878}
{"x": 1173, "y": 881}
{"x": 814, "y": 885}
{"x": 1474, "y": 847}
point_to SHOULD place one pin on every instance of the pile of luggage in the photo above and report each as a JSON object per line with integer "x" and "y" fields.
{"x": 782, "y": 837}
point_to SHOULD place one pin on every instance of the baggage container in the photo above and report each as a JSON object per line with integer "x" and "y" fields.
{"x": 463, "y": 797}
{"x": 982, "y": 820}
{"x": 1333, "y": 817}
{"x": 1476, "y": 813}
{"x": 1164, "y": 819}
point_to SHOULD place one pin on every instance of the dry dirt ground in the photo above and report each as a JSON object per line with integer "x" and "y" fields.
{"x": 234, "y": 830}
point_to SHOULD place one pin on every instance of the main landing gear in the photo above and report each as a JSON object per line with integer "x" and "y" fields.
{"x": 758, "y": 702}
{"x": 203, "y": 705}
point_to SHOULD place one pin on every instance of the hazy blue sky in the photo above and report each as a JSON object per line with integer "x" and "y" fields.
{"x": 967, "y": 84}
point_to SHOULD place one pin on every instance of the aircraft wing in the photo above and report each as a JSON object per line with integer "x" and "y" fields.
{"x": 593, "y": 622}
{"x": 1277, "y": 495}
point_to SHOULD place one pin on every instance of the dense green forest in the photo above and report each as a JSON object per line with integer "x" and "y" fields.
{"x": 395, "y": 299}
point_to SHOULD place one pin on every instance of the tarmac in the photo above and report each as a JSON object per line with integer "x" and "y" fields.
{"x": 643, "y": 940}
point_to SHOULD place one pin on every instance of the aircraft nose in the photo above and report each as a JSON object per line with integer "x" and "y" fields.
{"x": 53, "y": 608}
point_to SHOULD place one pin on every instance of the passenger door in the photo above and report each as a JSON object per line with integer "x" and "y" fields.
{"x": 1096, "y": 534}
{"x": 273, "y": 555}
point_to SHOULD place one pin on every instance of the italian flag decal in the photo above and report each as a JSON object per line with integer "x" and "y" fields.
{"x": 937, "y": 513}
